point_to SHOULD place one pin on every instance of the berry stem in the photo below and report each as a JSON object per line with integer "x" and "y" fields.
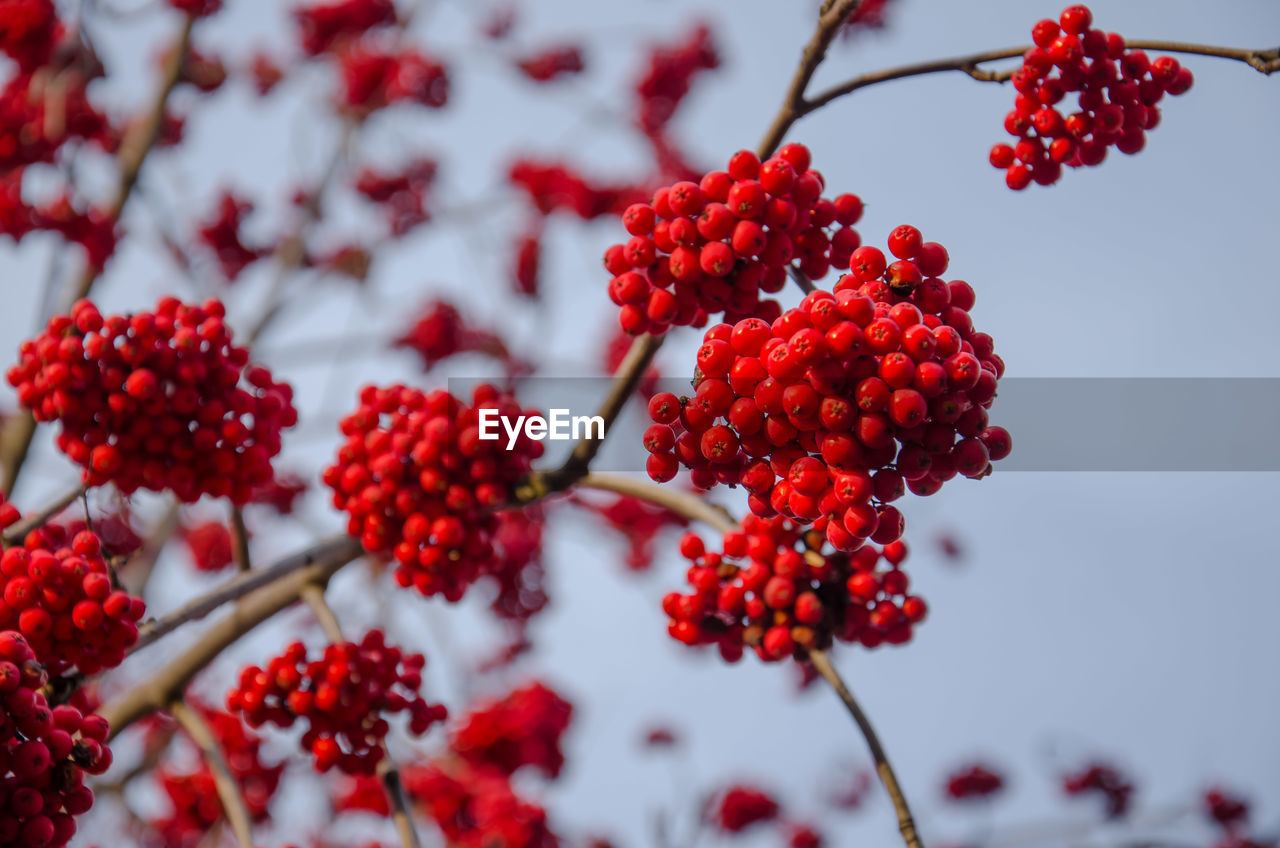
{"x": 833, "y": 15}
{"x": 1264, "y": 61}
{"x": 233, "y": 804}
{"x": 684, "y": 504}
{"x": 17, "y": 532}
{"x": 15, "y": 440}
{"x": 240, "y": 539}
{"x": 156, "y": 692}
{"x": 906, "y": 823}
{"x": 625, "y": 381}
{"x": 313, "y": 594}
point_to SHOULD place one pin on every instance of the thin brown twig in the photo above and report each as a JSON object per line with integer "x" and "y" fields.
{"x": 313, "y": 594}
{"x": 240, "y": 539}
{"x": 156, "y": 692}
{"x": 685, "y": 504}
{"x": 833, "y": 15}
{"x": 233, "y": 590}
{"x": 906, "y": 823}
{"x": 137, "y": 143}
{"x": 626, "y": 379}
{"x": 233, "y": 805}
{"x": 18, "y": 532}
{"x": 1264, "y": 61}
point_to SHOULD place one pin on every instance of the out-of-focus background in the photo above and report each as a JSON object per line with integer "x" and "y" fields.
{"x": 1127, "y": 616}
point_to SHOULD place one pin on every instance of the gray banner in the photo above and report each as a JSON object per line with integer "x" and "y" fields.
{"x": 1057, "y": 424}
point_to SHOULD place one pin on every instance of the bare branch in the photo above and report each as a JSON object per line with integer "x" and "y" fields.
{"x": 833, "y": 15}
{"x": 18, "y": 532}
{"x": 1264, "y": 61}
{"x": 223, "y": 780}
{"x": 906, "y": 823}
{"x": 240, "y": 539}
{"x": 158, "y": 691}
{"x": 137, "y": 143}
{"x": 240, "y": 586}
{"x": 685, "y": 504}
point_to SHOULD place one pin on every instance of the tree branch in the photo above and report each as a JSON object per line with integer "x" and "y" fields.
{"x": 241, "y": 585}
{"x": 626, "y": 379}
{"x": 240, "y": 539}
{"x": 158, "y": 692}
{"x": 906, "y": 823}
{"x": 833, "y": 15}
{"x": 685, "y": 504}
{"x": 1264, "y": 61}
{"x": 18, "y": 532}
{"x": 135, "y": 146}
{"x": 228, "y": 790}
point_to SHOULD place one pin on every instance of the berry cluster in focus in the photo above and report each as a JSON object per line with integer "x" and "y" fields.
{"x": 841, "y": 405}
{"x": 58, "y": 593}
{"x": 712, "y": 247}
{"x": 44, "y": 754}
{"x": 156, "y": 400}
{"x": 1117, "y": 95}
{"x": 342, "y": 696}
{"x": 770, "y": 590}
{"x": 416, "y": 480}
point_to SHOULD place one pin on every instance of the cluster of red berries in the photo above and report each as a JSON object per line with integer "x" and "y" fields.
{"x": 524, "y": 728}
{"x": 402, "y": 193}
{"x": 28, "y": 31}
{"x": 841, "y": 405}
{"x": 196, "y": 8}
{"x": 553, "y": 62}
{"x": 342, "y": 696}
{"x": 1104, "y": 780}
{"x": 712, "y": 247}
{"x": 324, "y": 26}
{"x": 59, "y": 594}
{"x": 771, "y": 590}
{"x": 373, "y": 78}
{"x": 740, "y": 807}
{"x": 220, "y": 233}
{"x": 976, "y": 781}
{"x": 1116, "y": 105}
{"x": 156, "y": 400}
{"x": 475, "y": 806}
{"x": 440, "y": 331}
{"x": 416, "y": 479}
{"x": 44, "y": 754}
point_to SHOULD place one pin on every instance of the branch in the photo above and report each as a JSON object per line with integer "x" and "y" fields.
{"x": 387, "y": 771}
{"x": 906, "y": 823}
{"x": 18, "y": 532}
{"x": 133, "y": 151}
{"x": 240, "y": 539}
{"x": 834, "y": 14}
{"x": 228, "y": 790}
{"x": 158, "y": 692}
{"x": 626, "y": 379}
{"x": 240, "y": 586}
{"x": 685, "y": 504}
{"x": 1264, "y": 61}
